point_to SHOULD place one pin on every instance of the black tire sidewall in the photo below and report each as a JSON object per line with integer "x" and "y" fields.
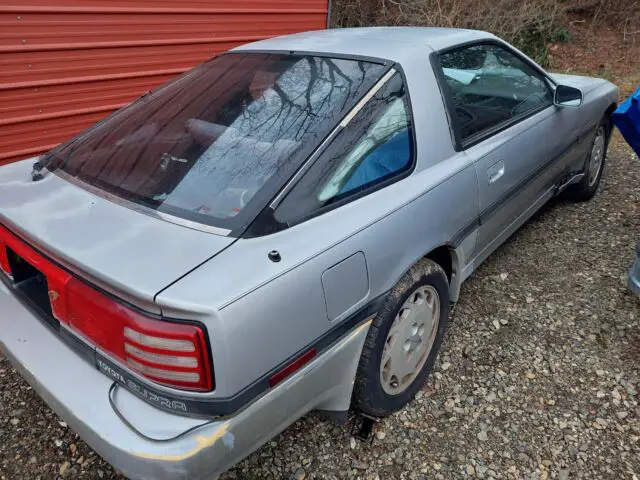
{"x": 376, "y": 400}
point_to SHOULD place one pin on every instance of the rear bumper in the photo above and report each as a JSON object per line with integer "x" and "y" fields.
{"x": 78, "y": 392}
{"x": 634, "y": 274}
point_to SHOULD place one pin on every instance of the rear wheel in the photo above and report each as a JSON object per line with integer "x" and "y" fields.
{"x": 594, "y": 165}
{"x": 403, "y": 341}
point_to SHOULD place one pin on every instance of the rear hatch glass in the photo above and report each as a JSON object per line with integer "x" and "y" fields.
{"x": 215, "y": 145}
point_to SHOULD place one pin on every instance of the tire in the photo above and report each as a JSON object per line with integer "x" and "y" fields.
{"x": 373, "y": 391}
{"x": 588, "y": 186}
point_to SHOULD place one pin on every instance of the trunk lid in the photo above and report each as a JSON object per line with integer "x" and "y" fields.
{"x": 121, "y": 250}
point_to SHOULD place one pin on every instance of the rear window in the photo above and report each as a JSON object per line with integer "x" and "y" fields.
{"x": 215, "y": 145}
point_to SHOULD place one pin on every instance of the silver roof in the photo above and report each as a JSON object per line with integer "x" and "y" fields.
{"x": 390, "y": 43}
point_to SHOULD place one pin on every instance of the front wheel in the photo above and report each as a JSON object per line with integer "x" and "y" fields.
{"x": 403, "y": 341}
{"x": 594, "y": 165}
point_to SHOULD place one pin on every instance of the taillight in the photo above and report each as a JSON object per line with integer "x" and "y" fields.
{"x": 4, "y": 260}
{"x": 174, "y": 354}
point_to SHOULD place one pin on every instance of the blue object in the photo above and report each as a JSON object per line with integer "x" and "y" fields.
{"x": 391, "y": 156}
{"x": 634, "y": 275}
{"x": 627, "y": 119}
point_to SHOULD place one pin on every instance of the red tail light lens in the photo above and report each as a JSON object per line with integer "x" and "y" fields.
{"x": 174, "y": 354}
{"x": 4, "y": 260}
{"x": 292, "y": 367}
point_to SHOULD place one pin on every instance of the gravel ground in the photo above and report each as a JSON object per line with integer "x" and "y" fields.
{"x": 538, "y": 377}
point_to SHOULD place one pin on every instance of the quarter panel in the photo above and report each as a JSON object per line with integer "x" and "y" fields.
{"x": 259, "y": 313}
{"x": 269, "y": 311}
{"x": 274, "y": 322}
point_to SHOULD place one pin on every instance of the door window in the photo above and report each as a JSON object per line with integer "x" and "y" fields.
{"x": 490, "y": 87}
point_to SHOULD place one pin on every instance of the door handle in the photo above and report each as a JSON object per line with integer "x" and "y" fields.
{"x": 495, "y": 171}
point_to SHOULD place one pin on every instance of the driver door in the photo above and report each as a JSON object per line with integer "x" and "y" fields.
{"x": 506, "y": 122}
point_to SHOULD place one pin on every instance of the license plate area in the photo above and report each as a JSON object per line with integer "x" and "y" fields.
{"x": 33, "y": 286}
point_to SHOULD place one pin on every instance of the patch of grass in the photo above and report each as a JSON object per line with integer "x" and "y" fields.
{"x": 627, "y": 84}
{"x": 535, "y": 41}
{"x": 561, "y": 34}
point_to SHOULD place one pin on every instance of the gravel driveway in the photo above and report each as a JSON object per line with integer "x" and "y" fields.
{"x": 538, "y": 376}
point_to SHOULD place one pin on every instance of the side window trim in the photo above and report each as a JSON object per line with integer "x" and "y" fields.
{"x": 463, "y": 144}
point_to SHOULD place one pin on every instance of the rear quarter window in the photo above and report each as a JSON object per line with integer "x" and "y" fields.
{"x": 374, "y": 149}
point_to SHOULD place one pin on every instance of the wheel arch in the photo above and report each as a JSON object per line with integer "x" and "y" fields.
{"x": 610, "y": 109}
{"x": 443, "y": 256}
{"x": 607, "y": 114}
{"x": 448, "y": 258}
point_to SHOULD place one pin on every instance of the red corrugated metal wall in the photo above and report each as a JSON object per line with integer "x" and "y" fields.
{"x": 66, "y": 64}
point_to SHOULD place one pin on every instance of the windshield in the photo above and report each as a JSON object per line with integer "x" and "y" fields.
{"x": 215, "y": 145}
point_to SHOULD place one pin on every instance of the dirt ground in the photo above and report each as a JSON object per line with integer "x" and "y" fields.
{"x": 599, "y": 49}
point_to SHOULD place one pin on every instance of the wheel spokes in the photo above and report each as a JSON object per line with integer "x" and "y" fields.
{"x": 410, "y": 339}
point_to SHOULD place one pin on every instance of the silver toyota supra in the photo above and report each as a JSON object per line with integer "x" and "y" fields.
{"x": 278, "y": 231}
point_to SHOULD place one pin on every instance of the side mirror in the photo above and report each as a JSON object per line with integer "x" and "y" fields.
{"x": 566, "y": 96}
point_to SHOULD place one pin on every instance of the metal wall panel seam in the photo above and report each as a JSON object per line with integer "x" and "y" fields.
{"x": 127, "y": 44}
{"x": 67, "y": 113}
{"x": 91, "y": 78}
{"x": 152, "y": 10}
